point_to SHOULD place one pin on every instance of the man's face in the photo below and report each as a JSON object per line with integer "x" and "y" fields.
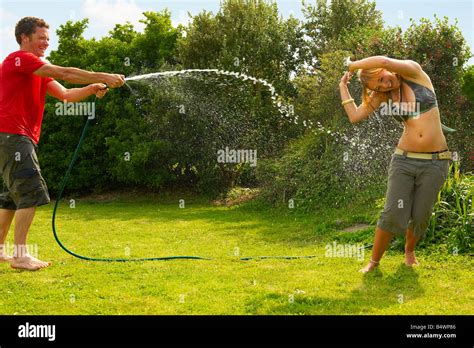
{"x": 37, "y": 43}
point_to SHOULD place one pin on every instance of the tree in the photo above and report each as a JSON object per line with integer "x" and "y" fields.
{"x": 468, "y": 84}
{"x": 325, "y": 24}
{"x": 247, "y": 36}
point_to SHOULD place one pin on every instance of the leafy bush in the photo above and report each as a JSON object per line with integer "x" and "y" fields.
{"x": 468, "y": 84}
{"x": 311, "y": 173}
{"x": 452, "y": 219}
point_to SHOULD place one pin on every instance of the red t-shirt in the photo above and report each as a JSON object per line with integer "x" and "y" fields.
{"x": 22, "y": 95}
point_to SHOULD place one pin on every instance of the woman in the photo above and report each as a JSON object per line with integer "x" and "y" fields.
{"x": 420, "y": 163}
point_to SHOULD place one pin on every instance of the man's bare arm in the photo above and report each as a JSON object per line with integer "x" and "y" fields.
{"x": 79, "y": 76}
{"x": 56, "y": 90}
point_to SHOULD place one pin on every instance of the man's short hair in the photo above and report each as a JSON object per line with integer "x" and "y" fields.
{"x": 27, "y": 26}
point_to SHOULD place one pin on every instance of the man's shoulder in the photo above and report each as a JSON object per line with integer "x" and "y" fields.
{"x": 13, "y": 54}
{"x": 20, "y": 54}
{"x": 21, "y": 62}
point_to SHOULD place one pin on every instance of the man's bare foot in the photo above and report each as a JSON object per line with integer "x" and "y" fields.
{"x": 410, "y": 259}
{"x": 371, "y": 266}
{"x": 5, "y": 258}
{"x": 28, "y": 262}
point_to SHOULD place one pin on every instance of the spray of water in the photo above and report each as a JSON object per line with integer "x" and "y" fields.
{"x": 277, "y": 100}
{"x": 367, "y": 144}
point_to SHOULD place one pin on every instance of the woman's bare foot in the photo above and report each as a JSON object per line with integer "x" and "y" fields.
{"x": 410, "y": 259}
{"x": 371, "y": 266}
{"x": 28, "y": 262}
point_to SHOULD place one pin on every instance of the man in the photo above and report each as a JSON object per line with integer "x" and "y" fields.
{"x": 24, "y": 82}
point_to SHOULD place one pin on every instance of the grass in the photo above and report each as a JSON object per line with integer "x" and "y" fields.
{"x": 149, "y": 227}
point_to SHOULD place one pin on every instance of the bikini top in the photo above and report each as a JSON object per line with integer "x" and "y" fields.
{"x": 425, "y": 100}
{"x": 424, "y": 96}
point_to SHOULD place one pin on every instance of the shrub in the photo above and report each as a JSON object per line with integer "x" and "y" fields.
{"x": 311, "y": 172}
{"x": 452, "y": 218}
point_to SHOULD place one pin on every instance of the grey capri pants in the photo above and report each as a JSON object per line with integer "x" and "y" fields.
{"x": 412, "y": 190}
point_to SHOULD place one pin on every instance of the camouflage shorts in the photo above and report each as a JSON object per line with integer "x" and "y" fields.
{"x": 23, "y": 186}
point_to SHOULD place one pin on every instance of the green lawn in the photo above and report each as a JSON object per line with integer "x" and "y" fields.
{"x": 149, "y": 227}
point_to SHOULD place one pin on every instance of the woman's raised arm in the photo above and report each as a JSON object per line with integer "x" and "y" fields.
{"x": 355, "y": 113}
{"x": 403, "y": 67}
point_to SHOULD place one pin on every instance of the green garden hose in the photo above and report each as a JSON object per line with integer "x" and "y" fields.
{"x": 60, "y": 194}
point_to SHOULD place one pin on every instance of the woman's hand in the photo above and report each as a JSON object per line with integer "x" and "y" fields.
{"x": 346, "y": 78}
{"x": 348, "y": 63}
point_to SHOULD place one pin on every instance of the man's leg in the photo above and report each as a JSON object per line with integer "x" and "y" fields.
{"x": 22, "y": 259}
{"x": 6, "y": 218}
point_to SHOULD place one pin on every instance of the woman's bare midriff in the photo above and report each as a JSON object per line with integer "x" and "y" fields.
{"x": 423, "y": 134}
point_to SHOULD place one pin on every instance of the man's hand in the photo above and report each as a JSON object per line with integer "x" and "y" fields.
{"x": 113, "y": 80}
{"x": 99, "y": 89}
